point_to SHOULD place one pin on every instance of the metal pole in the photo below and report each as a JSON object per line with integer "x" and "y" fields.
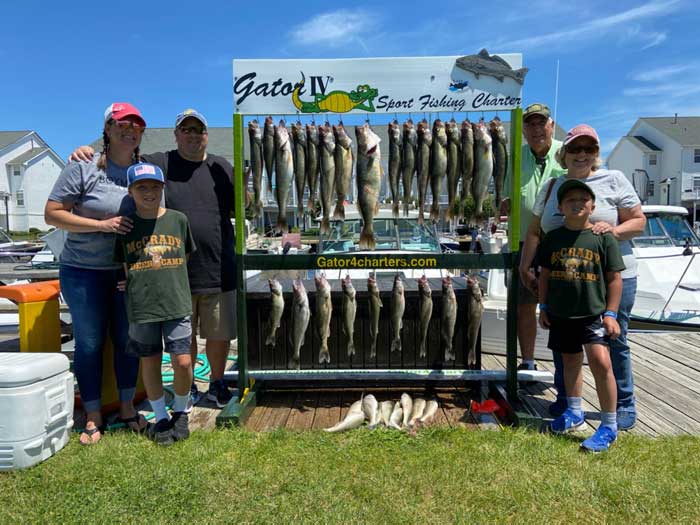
{"x": 516, "y": 137}
{"x": 241, "y": 313}
{"x": 7, "y": 214}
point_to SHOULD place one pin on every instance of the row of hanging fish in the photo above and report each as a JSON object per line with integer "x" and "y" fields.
{"x": 301, "y": 315}
{"x": 321, "y": 158}
{"x": 405, "y": 414}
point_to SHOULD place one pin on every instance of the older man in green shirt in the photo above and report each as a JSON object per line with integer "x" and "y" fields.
{"x": 538, "y": 166}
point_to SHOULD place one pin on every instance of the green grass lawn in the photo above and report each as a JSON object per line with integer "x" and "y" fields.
{"x": 440, "y": 476}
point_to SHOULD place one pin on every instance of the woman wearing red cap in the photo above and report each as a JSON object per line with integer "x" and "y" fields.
{"x": 617, "y": 210}
{"x": 91, "y": 202}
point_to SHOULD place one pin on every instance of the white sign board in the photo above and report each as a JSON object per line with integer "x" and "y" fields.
{"x": 479, "y": 82}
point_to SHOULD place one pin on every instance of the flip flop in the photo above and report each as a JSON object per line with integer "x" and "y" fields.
{"x": 89, "y": 432}
{"x": 135, "y": 419}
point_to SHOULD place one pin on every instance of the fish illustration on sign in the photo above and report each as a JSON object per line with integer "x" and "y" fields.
{"x": 491, "y": 65}
{"x": 336, "y": 101}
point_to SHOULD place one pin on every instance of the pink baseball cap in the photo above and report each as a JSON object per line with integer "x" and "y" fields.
{"x": 119, "y": 110}
{"x": 582, "y": 130}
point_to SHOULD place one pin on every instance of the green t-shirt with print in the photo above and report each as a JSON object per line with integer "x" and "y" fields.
{"x": 578, "y": 261}
{"x": 155, "y": 252}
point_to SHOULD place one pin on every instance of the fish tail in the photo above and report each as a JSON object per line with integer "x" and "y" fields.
{"x": 270, "y": 341}
{"x": 395, "y": 209}
{"x": 281, "y": 225}
{"x": 311, "y": 205}
{"x": 339, "y": 212}
{"x": 422, "y": 349}
{"x": 324, "y": 356}
{"x": 373, "y": 350}
{"x": 435, "y": 213}
{"x": 325, "y": 225}
{"x": 421, "y": 218}
{"x": 367, "y": 240}
{"x": 406, "y": 205}
{"x": 351, "y": 348}
{"x": 259, "y": 208}
{"x": 396, "y": 345}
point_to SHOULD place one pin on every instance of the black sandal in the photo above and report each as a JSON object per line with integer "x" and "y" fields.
{"x": 89, "y": 432}
{"x": 136, "y": 418}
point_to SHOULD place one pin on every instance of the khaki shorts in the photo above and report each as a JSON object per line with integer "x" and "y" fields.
{"x": 525, "y": 296}
{"x": 214, "y": 316}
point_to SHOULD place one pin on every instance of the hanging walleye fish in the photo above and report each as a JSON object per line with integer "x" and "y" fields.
{"x": 438, "y": 166}
{"x": 467, "y": 159}
{"x": 277, "y": 300}
{"x": 425, "y": 141}
{"x": 425, "y": 312}
{"x": 475, "y": 311}
{"x": 375, "y": 304}
{"x": 284, "y": 172}
{"x": 324, "y": 312}
{"x": 500, "y": 158}
{"x": 368, "y": 182}
{"x": 299, "y": 136}
{"x": 300, "y": 320}
{"x": 398, "y": 305}
{"x": 327, "y": 175}
{"x": 483, "y": 167}
{"x": 453, "y": 145}
{"x": 408, "y": 163}
{"x": 449, "y": 317}
{"x": 343, "y": 170}
{"x": 312, "y": 164}
{"x": 269, "y": 150}
{"x": 349, "y": 311}
{"x": 256, "y": 164}
{"x": 394, "y": 165}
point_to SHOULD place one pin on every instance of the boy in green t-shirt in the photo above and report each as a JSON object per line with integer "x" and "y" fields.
{"x": 159, "y": 303}
{"x": 581, "y": 286}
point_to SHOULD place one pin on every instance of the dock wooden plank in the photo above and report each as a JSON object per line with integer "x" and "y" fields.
{"x": 327, "y": 410}
{"x": 279, "y": 407}
{"x": 301, "y": 415}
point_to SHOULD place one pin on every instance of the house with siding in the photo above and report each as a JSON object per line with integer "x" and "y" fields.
{"x": 30, "y": 168}
{"x": 661, "y": 156}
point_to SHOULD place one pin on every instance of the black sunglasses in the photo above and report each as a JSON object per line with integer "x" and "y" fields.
{"x": 575, "y": 150}
{"x": 192, "y": 130}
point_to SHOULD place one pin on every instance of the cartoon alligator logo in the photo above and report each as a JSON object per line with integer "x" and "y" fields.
{"x": 336, "y": 101}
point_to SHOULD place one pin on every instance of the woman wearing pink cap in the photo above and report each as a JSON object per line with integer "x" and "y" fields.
{"x": 91, "y": 202}
{"x": 617, "y": 210}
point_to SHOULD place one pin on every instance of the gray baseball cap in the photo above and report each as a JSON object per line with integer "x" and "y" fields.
{"x": 190, "y": 113}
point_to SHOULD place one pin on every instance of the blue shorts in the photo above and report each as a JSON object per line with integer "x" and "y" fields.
{"x": 146, "y": 339}
{"x": 568, "y": 336}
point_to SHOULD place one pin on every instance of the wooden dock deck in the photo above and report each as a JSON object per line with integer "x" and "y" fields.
{"x": 667, "y": 387}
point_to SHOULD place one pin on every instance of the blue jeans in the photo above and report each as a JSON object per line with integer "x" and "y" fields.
{"x": 95, "y": 305}
{"x": 619, "y": 354}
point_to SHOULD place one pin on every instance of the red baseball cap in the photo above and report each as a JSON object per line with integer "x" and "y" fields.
{"x": 119, "y": 110}
{"x": 582, "y": 130}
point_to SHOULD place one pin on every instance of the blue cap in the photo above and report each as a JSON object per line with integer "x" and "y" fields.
{"x": 144, "y": 171}
{"x": 190, "y": 113}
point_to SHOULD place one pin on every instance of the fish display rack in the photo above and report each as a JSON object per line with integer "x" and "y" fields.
{"x": 479, "y": 81}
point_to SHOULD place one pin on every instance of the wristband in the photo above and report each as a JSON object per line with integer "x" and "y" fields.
{"x": 610, "y": 313}
{"x": 544, "y": 308}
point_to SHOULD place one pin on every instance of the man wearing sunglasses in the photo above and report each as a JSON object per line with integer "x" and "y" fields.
{"x": 538, "y": 166}
{"x": 200, "y": 185}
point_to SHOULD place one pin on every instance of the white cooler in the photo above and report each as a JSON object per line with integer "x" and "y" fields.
{"x": 36, "y": 407}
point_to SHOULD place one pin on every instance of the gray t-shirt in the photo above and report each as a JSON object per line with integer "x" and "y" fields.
{"x": 612, "y": 191}
{"x": 96, "y": 195}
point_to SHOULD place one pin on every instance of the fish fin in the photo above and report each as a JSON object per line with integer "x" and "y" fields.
{"x": 339, "y": 212}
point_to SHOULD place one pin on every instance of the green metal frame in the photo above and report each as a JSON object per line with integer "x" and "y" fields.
{"x": 237, "y": 410}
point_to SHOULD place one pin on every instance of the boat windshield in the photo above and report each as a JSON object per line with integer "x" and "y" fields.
{"x": 666, "y": 230}
{"x": 391, "y": 235}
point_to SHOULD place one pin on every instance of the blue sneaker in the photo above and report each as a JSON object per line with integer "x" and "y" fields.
{"x": 557, "y": 408}
{"x": 567, "y": 422}
{"x": 626, "y": 419}
{"x": 600, "y": 441}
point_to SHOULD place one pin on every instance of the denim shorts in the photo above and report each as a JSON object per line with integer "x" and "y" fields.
{"x": 146, "y": 339}
{"x": 568, "y": 335}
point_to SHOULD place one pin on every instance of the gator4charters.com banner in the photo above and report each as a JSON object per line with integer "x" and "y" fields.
{"x": 478, "y": 82}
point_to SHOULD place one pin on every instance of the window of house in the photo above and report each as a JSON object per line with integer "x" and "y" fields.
{"x": 696, "y": 155}
{"x": 16, "y": 171}
{"x": 650, "y": 189}
{"x": 19, "y": 198}
{"x": 696, "y": 184}
{"x": 652, "y": 159}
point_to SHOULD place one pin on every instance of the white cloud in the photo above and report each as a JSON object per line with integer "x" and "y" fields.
{"x": 596, "y": 27}
{"x": 654, "y": 40}
{"x": 334, "y": 28}
{"x": 661, "y": 73}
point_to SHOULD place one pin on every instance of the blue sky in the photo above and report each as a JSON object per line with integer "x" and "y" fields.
{"x": 63, "y": 63}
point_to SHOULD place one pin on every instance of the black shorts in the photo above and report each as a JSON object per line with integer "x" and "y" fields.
{"x": 568, "y": 336}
